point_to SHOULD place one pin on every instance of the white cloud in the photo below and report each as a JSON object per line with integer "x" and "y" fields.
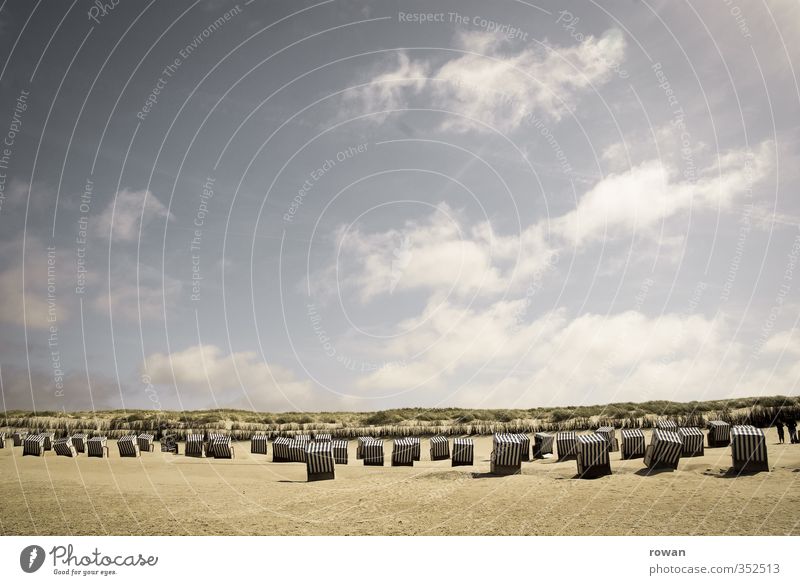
{"x": 126, "y": 297}
{"x": 128, "y": 210}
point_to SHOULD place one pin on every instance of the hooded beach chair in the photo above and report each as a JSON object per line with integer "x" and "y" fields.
{"x": 79, "y": 442}
{"x": 339, "y": 447}
{"x": 306, "y": 439}
{"x": 566, "y": 443}
{"x": 542, "y": 445}
{"x": 64, "y": 447}
{"x": 258, "y": 444}
{"x": 280, "y": 449}
{"x": 360, "y": 446}
{"x": 48, "y": 440}
{"x": 610, "y": 435}
{"x": 128, "y": 446}
{"x": 97, "y": 447}
{"x": 693, "y": 440}
{"x": 748, "y": 449}
{"x": 719, "y": 434}
{"x": 221, "y": 447}
{"x": 211, "y": 442}
{"x": 664, "y": 450}
{"x": 319, "y": 461}
{"x": 297, "y": 450}
{"x": 633, "y": 444}
{"x": 195, "y": 446}
{"x": 33, "y": 445}
{"x": 169, "y": 444}
{"x": 373, "y": 452}
{"x": 525, "y": 446}
{"x": 403, "y": 452}
{"x": 17, "y": 438}
{"x": 145, "y": 442}
{"x": 322, "y": 437}
{"x": 440, "y": 448}
{"x": 506, "y": 457}
{"x": 463, "y": 452}
{"x": 416, "y": 448}
{"x": 591, "y": 454}
{"x": 2, "y": 440}
{"x": 666, "y": 424}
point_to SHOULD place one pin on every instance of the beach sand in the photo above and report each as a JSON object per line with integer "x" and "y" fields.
{"x": 164, "y": 494}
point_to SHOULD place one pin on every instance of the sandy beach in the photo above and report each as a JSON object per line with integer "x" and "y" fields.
{"x": 164, "y": 494}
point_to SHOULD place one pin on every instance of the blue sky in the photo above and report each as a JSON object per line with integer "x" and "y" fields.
{"x": 357, "y": 206}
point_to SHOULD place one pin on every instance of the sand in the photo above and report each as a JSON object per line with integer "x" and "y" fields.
{"x": 164, "y": 494}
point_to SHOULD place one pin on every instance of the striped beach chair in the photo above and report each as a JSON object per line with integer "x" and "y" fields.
{"x": 79, "y": 442}
{"x": 440, "y": 448}
{"x": 566, "y": 443}
{"x": 195, "y": 446}
{"x": 610, "y": 435}
{"x": 322, "y": 437}
{"x": 221, "y": 447}
{"x": 542, "y": 445}
{"x": 258, "y": 444}
{"x": 373, "y": 452}
{"x": 33, "y": 445}
{"x": 48, "y": 440}
{"x": 633, "y": 445}
{"x": 280, "y": 449}
{"x": 591, "y": 454}
{"x": 128, "y": 446}
{"x": 463, "y": 452}
{"x": 525, "y": 446}
{"x": 319, "y": 461}
{"x": 403, "y": 452}
{"x": 297, "y": 450}
{"x": 145, "y": 442}
{"x": 211, "y": 441}
{"x": 2, "y": 440}
{"x": 748, "y": 449}
{"x": 666, "y": 424}
{"x": 97, "y": 447}
{"x": 416, "y": 448}
{"x": 339, "y": 447}
{"x": 693, "y": 440}
{"x": 719, "y": 434}
{"x": 506, "y": 457}
{"x": 64, "y": 447}
{"x": 169, "y": 444}
{"x": 664, "y": 450}
{"x": 360, "y": 446}
{"x": 302, "y": 438}
{"x": 18, "y": 438}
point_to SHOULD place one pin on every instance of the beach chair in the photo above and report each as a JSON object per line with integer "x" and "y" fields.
{"x": 373, "y": 452}
{"x": 322, "y": 437}
{"x": 440, "y": 448}
{"x": 128, "y": 446}
{"x": 525, "y": 446}
{"x": 664, "y": 450}
{"x": 360, "y": 446}
{"x": 64, "y": 447}
{"x": 33, "y": 445}
{"x": 610, "y": 435}
{"x": 221, "y": 447}
{"x": 633, "y": 444}
{"x": 339, "y": 447}
{"x": 403, "y": 452}
{"x": 297, "y": 450}
{"x": 566, "y": 442}
{"x": 666, "y": 424}
{"x": 48, "y": 440}
{"x": 506, "y": 457}
{"x": 280, "y": 449}
{"x": 319, "y": 461}
{"x": 97, "y": 447}
{"x": 306, "y": 439}
{"x": 2, "y": 440}
{"x": 145, "y": 442}
{"x": 693, "y": 440}
{"x": 79, "y": 442}
{"x": 591, "y": 455}
{"x": 17, "y": 438}
{"x": 258, "y": 444}
{"x": 542, "y": 445}
{"x": 719, "y": 434}
{"x": 211, "y": 441}
{"x": 463, "y": 452}
{"x": 169, "y": 444}
{"x": 748, "y": 449}
{"x": 195, "y": 447}
{"x": 416, "y": 448}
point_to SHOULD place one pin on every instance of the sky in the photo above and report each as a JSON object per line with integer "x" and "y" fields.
{"x": 338, "y": 205}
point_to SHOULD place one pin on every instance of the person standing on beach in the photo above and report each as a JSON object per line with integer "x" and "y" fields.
{"x": 779, "y": 426}
{"x": 792, "y": 426}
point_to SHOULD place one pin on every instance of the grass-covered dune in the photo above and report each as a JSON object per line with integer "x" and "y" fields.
{"x": 242, "y": 424}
